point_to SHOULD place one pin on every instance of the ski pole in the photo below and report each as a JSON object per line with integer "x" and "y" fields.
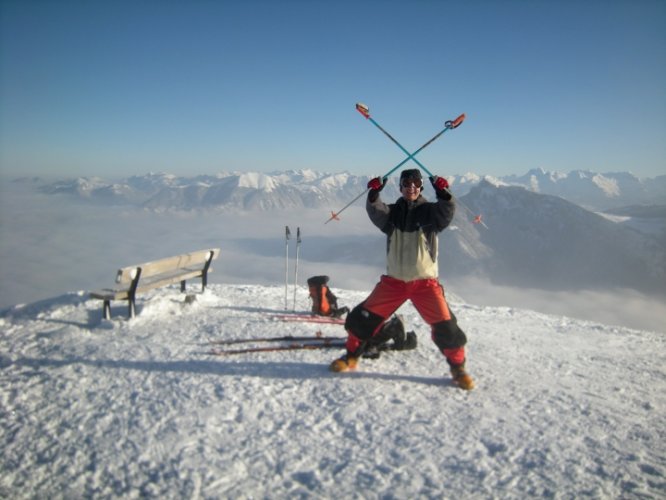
{"x": 287, "y": 233}
{"x": 449, "y": 125}
{"x": 298, "y": 244}
{"x": 365, "y": 111}
{"x": 334, "y": 215}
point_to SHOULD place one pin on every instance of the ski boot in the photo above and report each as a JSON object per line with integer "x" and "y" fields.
{"x": 394, "y": 329}
{"x": 339, "y": 313}
{"x": 345, "y": 363}
{"x": 461, "y": 378}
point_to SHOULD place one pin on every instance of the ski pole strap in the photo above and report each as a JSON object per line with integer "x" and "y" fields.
{"x": 455, "y": 123}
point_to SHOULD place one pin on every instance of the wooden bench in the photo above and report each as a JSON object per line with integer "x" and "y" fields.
{"x": 143, "y": 277}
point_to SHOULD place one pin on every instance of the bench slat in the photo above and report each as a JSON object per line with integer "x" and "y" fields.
{"x": 148, "y": 269}
{"x": 110, "y": 294}
{"x": 168, "y": 279}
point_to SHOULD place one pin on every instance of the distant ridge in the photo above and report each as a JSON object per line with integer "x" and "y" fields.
{"x": 311, "y": 189}
{"x": 538, "y": 235}
{"x": 544, "y": 241}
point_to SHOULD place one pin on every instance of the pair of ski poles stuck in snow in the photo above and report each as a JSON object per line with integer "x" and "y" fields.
{"x": 287, "y": 236}
{"x": 449, "y": 125}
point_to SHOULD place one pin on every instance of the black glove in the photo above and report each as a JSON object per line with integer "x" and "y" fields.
{"x": 441, "y": 186}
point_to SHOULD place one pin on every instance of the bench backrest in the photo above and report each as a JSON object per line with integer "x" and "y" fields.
{"x": 148, "y": 269}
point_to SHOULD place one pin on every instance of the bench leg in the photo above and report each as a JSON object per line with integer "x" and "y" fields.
{"x": 204, "y": 273}
{"x": 106, "y": 314}
{"x": 132, "y": 307}
{"x": 131, "y": 294}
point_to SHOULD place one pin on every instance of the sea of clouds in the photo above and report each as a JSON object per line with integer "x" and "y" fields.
{"x": 51, "y": 245}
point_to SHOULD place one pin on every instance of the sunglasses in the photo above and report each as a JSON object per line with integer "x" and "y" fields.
{"x": 417, "y": 183}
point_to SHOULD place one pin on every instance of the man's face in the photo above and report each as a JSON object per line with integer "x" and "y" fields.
{"x": 410, "y": 188}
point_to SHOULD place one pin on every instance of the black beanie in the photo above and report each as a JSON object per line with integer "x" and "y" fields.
{"x": 410, "y": 173}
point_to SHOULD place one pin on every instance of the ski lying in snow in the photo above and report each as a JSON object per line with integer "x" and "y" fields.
{"x": 287, "y": 338}
{"x": 289, "y": 347}
{"x": 308, "y": 318}
{"x": 318, "y": 341}
{"x": 302, "y": 346}
{"x": 296, "y": 343}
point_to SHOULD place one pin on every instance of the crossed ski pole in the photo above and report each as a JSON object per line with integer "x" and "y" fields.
{"x": 361, "y": 108}
{"x": 334, "y": 215}
{"x": 365, "y": 111}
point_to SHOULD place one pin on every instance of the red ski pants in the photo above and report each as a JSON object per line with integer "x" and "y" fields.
{"x": 427, "y": 296}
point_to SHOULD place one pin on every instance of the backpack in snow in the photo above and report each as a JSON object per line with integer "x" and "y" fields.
{"x": 324, "y": 302}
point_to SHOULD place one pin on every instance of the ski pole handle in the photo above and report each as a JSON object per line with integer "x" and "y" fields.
{"x": 363, "y": 109}
{"x": 455, "y": 123}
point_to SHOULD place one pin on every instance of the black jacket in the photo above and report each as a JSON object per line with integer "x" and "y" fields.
{"x": 411, "y": 229}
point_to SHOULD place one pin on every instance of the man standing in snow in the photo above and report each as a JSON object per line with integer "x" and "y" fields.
{"x": 411, "y": 225}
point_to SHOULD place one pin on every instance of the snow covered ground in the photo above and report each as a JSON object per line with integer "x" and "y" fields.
{"x": 138, "y": 408}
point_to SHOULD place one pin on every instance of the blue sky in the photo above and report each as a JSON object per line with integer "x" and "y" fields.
{"x": 121, "y": 88}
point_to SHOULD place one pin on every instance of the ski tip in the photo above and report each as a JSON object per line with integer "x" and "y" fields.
{"x": 363, "y": 109}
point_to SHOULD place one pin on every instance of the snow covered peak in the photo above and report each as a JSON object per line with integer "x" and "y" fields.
{"x": 254, "y": 180}
{"x": 335, "y": 180}
{"x": 609, "y": 186}
{"x": 467, "y": 178}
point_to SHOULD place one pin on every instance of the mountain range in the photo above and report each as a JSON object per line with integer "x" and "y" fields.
{"x": 311, "y": 189}
{"x": 544, "y": 241}
{"x": 541, "y": 230}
